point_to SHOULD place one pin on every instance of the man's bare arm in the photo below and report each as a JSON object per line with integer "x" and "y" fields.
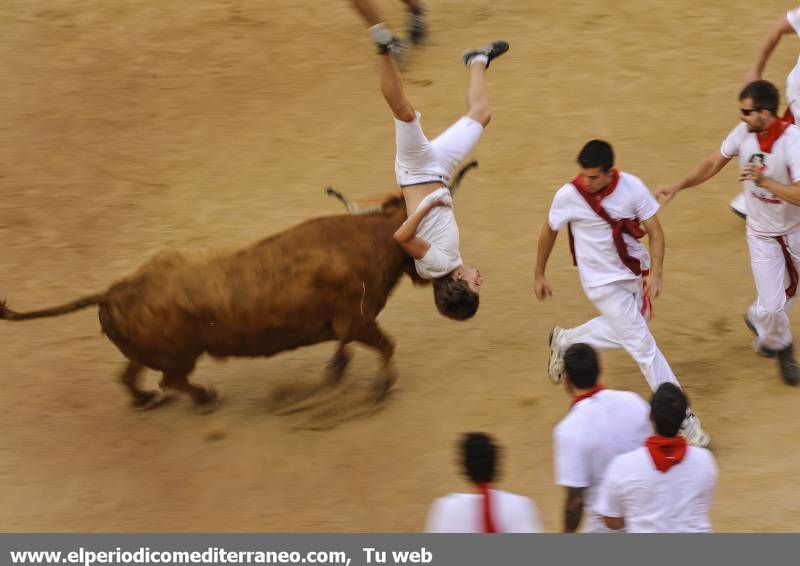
{"x": 573, "y": 509}
{"x": 779, "y": 27}
{"x": 707, "y": 168}
{"x": 655, "y": 235}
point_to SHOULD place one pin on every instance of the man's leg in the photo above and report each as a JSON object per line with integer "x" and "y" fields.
{"x": 455, "y": 143}
{"x": 393, "y": 91}
{"x": 769, "y": 314}
{"x": 368, "y": 12}
{"x": 622, "y": 324}
{"x": 478, "y": 93}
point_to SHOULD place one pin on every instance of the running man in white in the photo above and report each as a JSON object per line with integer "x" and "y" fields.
{"x": 601, "y": 424}
{"x": 423, "y": 168}
{"x": 602, "y": 209}
{"x": 665, "y": 486}
{"x": 788, "y": 23}
{"x": 488, "y": 510}
{"x": 769, "y": 157}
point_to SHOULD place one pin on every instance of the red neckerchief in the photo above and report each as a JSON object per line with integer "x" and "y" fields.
{"x": 665, "y": 451}
{"x": 788, "y": 116}
{"x": 582, "y": 396}
{"x": 618, "y": 226}
{"x": 767, "y": 138}
{"x": 486, "y": 508}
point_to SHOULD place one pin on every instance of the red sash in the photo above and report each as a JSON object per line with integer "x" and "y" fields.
{"x": 787, "y": 257}
{"x": 666, "y": 452}
{"x": 618, "y": 226}
{"x": 486, "y": 509}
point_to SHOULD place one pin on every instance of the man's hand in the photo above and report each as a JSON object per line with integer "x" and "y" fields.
{"x": 752, "y": 172}
{"x": 444, "y": 200}
{"x": 542, "y": 288}
{"x": 653, "y": 285}
{"x": 666, "y": 194}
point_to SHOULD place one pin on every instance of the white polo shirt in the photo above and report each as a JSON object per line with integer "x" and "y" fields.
{"x": 594, "y": 432}
{"x": 597, "y": 257}
{"x": 463, "y": 513}
{"x": 654, "y": 502}
{"x": 768, "y": 215}
{"x": 440, "y": 230}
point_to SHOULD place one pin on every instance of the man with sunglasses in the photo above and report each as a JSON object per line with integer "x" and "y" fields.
{"x": 769, "y": 154}
{"x": 784, "y": 24}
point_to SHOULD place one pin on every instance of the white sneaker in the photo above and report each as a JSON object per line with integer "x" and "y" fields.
{"x": 693, "y": 432}
{"x": 739, "y": 205}
{"x": 555, "y": 365}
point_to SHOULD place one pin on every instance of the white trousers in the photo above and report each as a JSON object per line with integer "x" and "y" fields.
{"x": 769, "y": 313}
{"x": 420, "y": 160}
{"x": 621, "y": 324}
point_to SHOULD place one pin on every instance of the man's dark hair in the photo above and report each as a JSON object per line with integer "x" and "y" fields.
{"x": 668, "y": 409}
{"x": 582, "y": 365}
{"x": 597, "y": 153}
{"x": 454, "y": 298}
{"x": 763, "y": 94}
{"x": 480, "y": 455}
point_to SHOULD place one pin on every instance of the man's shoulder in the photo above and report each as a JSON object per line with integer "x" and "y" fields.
{"x": 703, "y": 456}
{"x": 630, "y": 462}
{"x": 627, "y": 397}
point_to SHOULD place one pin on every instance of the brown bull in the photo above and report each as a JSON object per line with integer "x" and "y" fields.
{"x": 325, "y": 279}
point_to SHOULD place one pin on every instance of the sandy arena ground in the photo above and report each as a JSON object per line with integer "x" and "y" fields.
{"x": 128, "y": 127}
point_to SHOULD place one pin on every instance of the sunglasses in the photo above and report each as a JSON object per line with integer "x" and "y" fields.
{"x": 748, "y": 111}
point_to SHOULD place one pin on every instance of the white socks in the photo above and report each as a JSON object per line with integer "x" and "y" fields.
{"x": 381, "y": 34}
{"x": 479, "y": 59}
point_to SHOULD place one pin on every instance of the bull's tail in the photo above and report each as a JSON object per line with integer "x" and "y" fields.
{"x": 7, "y": 314}
{"x": 460, "y": 175}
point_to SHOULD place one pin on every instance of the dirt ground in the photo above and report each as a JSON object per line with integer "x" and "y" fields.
{"x": 128, "y": 127}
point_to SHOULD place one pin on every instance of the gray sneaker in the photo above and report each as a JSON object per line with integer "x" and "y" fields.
{"x": 555, "y": 363}
{"x": 789, "y": 368}
{"x": 492, "y": 51}
{"x": 760, "y": 350}
{"x": 693, "y": 432}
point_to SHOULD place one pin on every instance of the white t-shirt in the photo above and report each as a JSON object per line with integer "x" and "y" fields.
{"x": 594, "y": 432}
{"x": 793, "y": 80}
{"x": 654, "y": 502}
{"x": 598, "y": 259}
{"x": 463, "y": 513}
{"x": 440, "y": 230}
{"x": 767, "y": 214}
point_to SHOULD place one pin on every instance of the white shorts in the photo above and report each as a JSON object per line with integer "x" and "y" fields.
{"x": 422, "y": 161}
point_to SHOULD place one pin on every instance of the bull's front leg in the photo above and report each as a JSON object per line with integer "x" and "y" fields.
{"x": 337, "y": 364}
{"x": 372, "y": 335}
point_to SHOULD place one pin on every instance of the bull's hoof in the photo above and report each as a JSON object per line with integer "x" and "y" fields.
{"x": 382, "y": 390}
{"x": 146, "y": 400}
{"x": 208, "y": 403}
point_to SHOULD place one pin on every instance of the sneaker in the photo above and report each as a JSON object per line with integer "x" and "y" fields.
{"x": 739, "y": 206}
{"x": 386, "y": 42}
{"x": 693, "y": 432}
{"x": 789, "y": 369}
{"x": 417, "y": 30}
{"x": 555, "y": 364}
{"x": 492, "y": 51}
{"x": 760, "y": 350}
